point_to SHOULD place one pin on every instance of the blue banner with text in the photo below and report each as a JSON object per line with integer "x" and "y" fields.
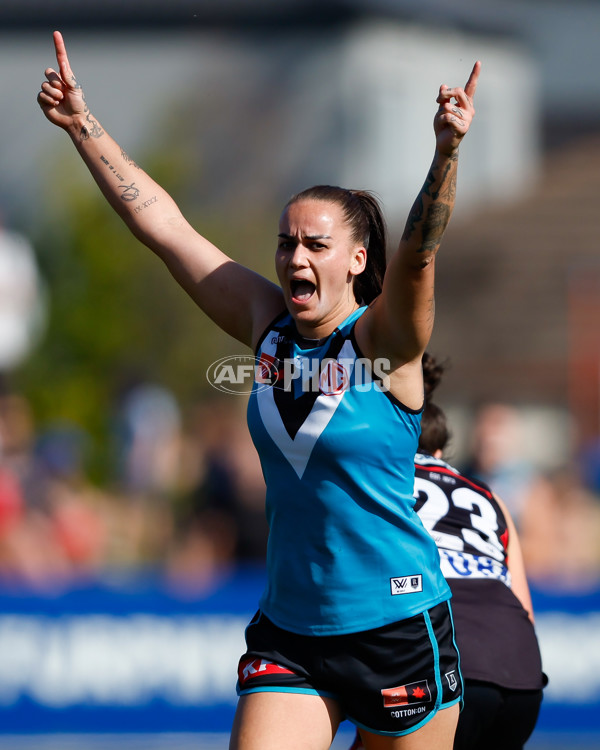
{"x": 133, "y": 654}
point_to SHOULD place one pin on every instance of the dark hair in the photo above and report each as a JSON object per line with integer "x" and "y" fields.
{"x": 432, "y": 374}
{"x": 363, "y": 212}
{"x": 434, "y": 429}
{"x": 434, "y": 425}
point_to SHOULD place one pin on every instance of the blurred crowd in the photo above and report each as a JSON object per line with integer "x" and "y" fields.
{"x": 556, "y": 509}
{"x": 186, "y": 497}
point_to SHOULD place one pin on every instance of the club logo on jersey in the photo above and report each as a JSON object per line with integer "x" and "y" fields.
{"x": 452, "y": 681}
{"x": 406, "y": 695}
{"x": 334, "y": 379}
{"x": 250, "y": 668}
{"x": 406, "y": 585}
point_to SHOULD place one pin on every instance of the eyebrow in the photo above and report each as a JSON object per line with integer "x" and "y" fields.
{"x": 285, "y": 236}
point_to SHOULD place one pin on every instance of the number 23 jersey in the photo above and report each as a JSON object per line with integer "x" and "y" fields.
{"x": 464, "y": 519}
{"x": 495, "y": 636}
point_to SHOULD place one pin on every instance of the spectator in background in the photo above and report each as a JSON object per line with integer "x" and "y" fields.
{"x": 12, "y": 508}
{"x": 30, "y": 550}
{"x": 54, "y": 524}
{"x": 560, "y": 533}
{"x": 556, "y": 511}
{"x": 21, "y": 299}
{"x": 498, "y": 459}
{"x": 148, "y": 438}
{"x": 219, "y": 517}
{"x": 73, "y": 506}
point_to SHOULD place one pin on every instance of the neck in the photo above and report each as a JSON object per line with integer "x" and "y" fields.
{"x": 316, "y": 330}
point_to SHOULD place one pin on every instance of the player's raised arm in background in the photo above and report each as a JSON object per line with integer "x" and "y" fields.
{"x": 400, "y": 322}
{"x": 239, "y": 300}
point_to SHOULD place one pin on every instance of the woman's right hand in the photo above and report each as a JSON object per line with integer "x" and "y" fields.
{"x": 61, "y": 97}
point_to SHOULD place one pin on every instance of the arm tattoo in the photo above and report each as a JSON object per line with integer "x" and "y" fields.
{"x": 128, "y": 159}
{"x": 433, "y": 226}
{"x": 130, "y": 192}
{"x": 145, "y": 204}
{"x": 93, "y": 129}
{"x": 449, "y": 189}
{"x": 416, "y": 212}
{"x": 432, "y": 221}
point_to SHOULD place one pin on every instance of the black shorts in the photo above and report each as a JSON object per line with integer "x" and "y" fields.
{"x": 496, "y": 718}
{"x": 390, "y": 680}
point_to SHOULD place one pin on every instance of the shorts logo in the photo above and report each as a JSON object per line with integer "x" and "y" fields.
{"x": 250, "y": 668}
{"x": 452, "y": 681}
{"x": 406, "y": 585}
{"x": 406, "y": 695}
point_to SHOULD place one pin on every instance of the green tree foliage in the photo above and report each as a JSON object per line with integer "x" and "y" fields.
{"x": 115, "y": 315}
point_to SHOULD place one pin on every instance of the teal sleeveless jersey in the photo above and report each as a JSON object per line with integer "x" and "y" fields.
{"x": 346, "y": 550}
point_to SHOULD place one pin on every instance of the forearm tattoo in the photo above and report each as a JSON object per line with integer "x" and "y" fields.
{"x": 128, "y": 159}
{"x": 433, "y": 226}
{"x": 92, "y": 129}
{"x": 145, "y": 204}
{"x": 431, "y": 210}
{"x": 129, "y": 192}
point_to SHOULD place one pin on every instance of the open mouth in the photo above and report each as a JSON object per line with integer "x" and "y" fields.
{"x": 301, "y": 290}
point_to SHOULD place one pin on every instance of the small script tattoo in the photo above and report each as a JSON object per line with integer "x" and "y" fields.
{"x": 111, "y": 168}
{"x": 145, "y": 204}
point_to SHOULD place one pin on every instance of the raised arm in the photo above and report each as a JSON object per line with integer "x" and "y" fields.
{"x": 240, "y": 301}
{"x": 400, "y": 322}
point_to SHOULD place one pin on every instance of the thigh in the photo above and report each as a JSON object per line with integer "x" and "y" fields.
{"x": 482, "y": 705}
{"x": 271, "y": 721}
{"x": 496, "y": 718}
{"x": 517, "y": 719}
{"x": 437, "y": 733}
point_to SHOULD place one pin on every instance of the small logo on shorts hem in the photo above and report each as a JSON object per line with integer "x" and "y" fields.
{"x": 406, "y": 695}
{"x": 249, "y": 668}
{"x": 406, "y": 585}
{"x": 452, "y": 681}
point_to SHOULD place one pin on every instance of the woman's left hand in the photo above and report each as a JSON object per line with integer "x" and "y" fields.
{"x": 455, "y": 113}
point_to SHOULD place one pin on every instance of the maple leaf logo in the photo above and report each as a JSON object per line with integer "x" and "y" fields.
{"x": 418, "y": 692}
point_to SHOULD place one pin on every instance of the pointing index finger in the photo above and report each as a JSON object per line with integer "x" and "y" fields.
{"x": 63, "y": 61}
{"x": 471, "y": 84}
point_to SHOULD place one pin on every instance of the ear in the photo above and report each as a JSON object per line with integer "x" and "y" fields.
{"x": 358, "y": 262}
